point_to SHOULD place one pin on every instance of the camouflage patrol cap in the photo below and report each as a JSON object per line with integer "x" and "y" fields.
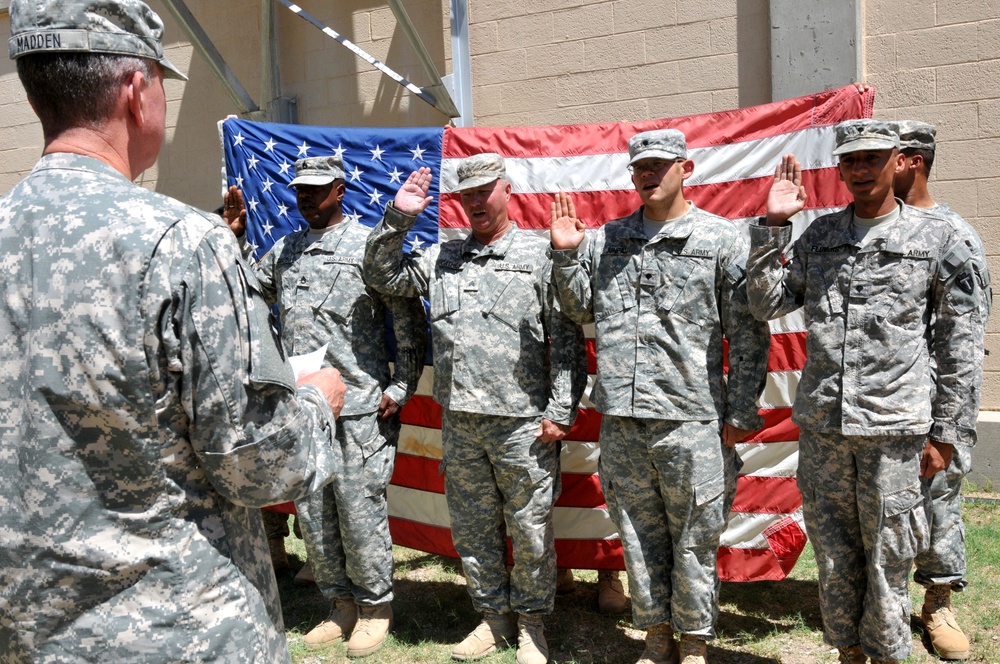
{"x": 317, "y": 171}
{"x": 657, "y": 144}
{"x": 859, "y": 135}
{"x": 916, "y": 134}
{"x": 115, "y": 27}
{"x": 480, "y": 169}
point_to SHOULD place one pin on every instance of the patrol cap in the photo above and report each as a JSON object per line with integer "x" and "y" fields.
{"x": 480, "y": 169}
{"x": 115, "y": 27}
{"x": 859, "y": 135}
{"x": 657, "y": 144}
{"x": 916, "y": 134}
{"x": 318, "y": 171}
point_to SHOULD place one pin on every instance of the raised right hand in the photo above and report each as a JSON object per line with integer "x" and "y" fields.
{"x": 787, "y": 196}
{"x": 234, "y": 211}
{"x": 329, "y": 382}
{"x": 412, "y": 198}
{"x": 567, "y": 231}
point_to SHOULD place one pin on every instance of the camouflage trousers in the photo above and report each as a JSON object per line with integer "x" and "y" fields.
{"x": 668, "y": 489}
{"x": 345, "y": 524}
{"x": 944, "y": 560}
{"x": 500, "y": 480}
{"x": 864, "y": 514}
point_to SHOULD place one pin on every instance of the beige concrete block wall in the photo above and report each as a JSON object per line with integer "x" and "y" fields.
{"x": 557, "y": 62}
{"x": 939, "y": 61}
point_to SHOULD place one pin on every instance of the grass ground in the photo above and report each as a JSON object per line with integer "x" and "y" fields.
{"x": 758, "y": 622}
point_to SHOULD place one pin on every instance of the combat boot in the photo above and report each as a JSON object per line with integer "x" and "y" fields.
{"x": 279, "y": 558}
{"x": 368, "y": 636}
{"x": 660, "y": 646}
{"x": 939, "y": 618}
{"x": 565, "y": 583}
{"x": 610, "y": 593}
{"x": 495, "y": 631}
{"x": 694, "y": 650}
{"x": 852, "y": 655}
{"x": 343, "y": 617}
{"x": 531, "y": 645}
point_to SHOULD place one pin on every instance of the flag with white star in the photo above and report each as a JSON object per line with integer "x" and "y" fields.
{"x": 734, "y": 154}
{"x": 261, "y": 156}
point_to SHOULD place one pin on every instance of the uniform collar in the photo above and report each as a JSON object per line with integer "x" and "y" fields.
{"x": 678, "y": 229}
{"x": 472, "y": 247}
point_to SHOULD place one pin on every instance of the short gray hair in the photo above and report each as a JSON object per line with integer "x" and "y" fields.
{"x": 73, "y": 90}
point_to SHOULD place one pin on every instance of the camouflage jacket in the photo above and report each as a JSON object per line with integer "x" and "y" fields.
{"x": 871, "y": 313}
{"x": 146, "y": 412}
{"x": 969, "y": 234}
{"x": 661, "y": 308}
{"x": 324, "y": 300}
{"x": 492, "y": 316}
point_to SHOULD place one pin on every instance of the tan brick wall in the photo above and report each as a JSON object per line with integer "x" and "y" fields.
{"x": 550, "y": 62}
{"x": 939, "y": 61}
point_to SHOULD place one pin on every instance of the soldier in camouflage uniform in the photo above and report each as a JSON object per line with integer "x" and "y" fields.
{"x": 663, "y": 286}
{"x": 941, "y": 568}
{"x": 890, "y": 292}
{"x": 314, "y": 275}
{"x": 146, "y": 408}
{"x": 508, "y": 394}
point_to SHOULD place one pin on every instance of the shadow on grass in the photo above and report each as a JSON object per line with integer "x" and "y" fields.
{"x": 758, "y": 609}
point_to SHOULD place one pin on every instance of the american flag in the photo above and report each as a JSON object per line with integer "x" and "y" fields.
{"x": 734, "y": 152}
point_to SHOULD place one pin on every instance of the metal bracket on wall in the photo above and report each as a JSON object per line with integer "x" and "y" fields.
{"x": 435, "y": 94}
{"x": 203, "y": 44}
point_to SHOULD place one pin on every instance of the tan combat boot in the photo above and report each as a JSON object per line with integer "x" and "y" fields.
{"x": 343, "y": 617}
{"x": 942, "y": 623}
{"x": 495, "y": 631}
{"x": 565, "y": 583}
{"x": 660, "y": 646}
{"x": 279, "y": 558}
{"x": 610, "y": 593}
{"x": 531, "y": 645}
{"x": 694, "y": 650}
{"x": 852, "y": 655}
{"x": 368, "y": 636}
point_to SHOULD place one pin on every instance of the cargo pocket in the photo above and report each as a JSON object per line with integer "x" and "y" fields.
{"x": 512, "y": 301}
{"x": 444, "y": 297}
{"x": 707, "y": 519}
{"x": 267, "y": 361}
{"x": 709, "y": 489}
{"x": 340, "y": 298}
{"x": 903, "y": 531}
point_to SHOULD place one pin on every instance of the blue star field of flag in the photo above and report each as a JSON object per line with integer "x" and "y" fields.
{"x": 261, "y": 156}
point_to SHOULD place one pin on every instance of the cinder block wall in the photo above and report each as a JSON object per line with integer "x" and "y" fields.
{"x": 939, "y": 61}
{"x": 559, "y": 61}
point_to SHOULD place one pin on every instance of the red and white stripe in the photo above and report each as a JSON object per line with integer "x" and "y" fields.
{"x": 735, "y": 153}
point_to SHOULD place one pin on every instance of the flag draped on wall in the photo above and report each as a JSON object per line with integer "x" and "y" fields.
{"x": 734, "y": 152}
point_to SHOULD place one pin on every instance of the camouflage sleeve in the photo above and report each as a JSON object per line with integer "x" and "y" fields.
{"x": 749, "y": 342}
{"x": 260, "y": 441}
{"x": 982, "y": 268}
{"x": 386, "y": 267}
{"x": 775, "y": 283}
{"x": 568, "y": 360}
{"x": 571, "y": 278}
{"x": 263, "y": 270}
{"x": 957, "y": 346}
{"x": 410, "y": 325}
